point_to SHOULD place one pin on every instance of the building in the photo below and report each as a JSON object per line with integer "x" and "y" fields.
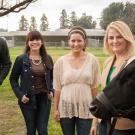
{"x": 54, "y": 38}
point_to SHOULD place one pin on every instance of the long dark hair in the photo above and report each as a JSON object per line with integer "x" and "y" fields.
{"x": 43, "y": 53}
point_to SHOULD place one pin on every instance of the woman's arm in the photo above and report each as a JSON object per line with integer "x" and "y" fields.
{"x": 14, "y": 78}
{"x": 94, "y": 126}
{"x": 57, "y": 73}
{"x": 95, "y": 120}
{"x": 56, "y": 103}
{"x": 94, "y": 92}
{"x": 5, "y": 62}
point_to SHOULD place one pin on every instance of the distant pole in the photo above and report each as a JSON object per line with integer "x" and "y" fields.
{"x": 98, "y": 23}
{"x": 2, "y": 4}
{"x": 7, "y": 22}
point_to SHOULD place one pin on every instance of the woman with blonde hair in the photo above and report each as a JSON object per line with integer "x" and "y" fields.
{"x": 120, "y": 45}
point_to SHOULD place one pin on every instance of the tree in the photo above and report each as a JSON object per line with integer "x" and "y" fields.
{"x": 129, "y": 15}
{"x": 3, "y": 30}
{"x": 73, "y": 19}
{"x": 64, "y": 21}
{"x": 23, "y": 24}
{"x": 86, "y": 21}
{"x": 7, "y": 6}
{"x": 33, "y": 25}
{"x": 119, "y": 11}
{"x": 111, "y": 13}
{"x": 44, "y": 23}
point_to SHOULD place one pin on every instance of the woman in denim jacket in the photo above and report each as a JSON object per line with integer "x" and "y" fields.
{"x": 31, "y": 81}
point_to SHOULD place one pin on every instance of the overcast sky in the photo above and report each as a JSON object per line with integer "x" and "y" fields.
{"x": 53, "y": 8}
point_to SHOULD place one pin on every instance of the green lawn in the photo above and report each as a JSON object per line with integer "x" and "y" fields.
{"x": 11, "y": 120}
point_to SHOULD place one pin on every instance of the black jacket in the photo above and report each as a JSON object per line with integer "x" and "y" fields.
{"x": 21, "y": 77}
{"x": 5, "y": 62}
{"x": 118, "y": 98}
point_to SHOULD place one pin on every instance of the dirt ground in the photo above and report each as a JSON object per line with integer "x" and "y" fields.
{"x": 11, "y": 121}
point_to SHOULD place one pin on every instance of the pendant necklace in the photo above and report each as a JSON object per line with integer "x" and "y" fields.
{"x": 36, "y": 62}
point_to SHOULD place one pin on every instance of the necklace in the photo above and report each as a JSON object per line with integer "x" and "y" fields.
{"x": 36, "y": 62}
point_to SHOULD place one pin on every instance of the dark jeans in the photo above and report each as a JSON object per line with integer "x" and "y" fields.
{"x": 124, "y": 132}
{"x": 103, "y": 128}
{"x": 37, "y": 118}
{"x": 82, "y": 126}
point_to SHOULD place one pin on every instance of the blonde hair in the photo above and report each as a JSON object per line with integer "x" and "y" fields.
{"x": 125, "y": 32}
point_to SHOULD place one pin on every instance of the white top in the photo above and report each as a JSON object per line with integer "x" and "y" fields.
{"x": 75, "y": 86}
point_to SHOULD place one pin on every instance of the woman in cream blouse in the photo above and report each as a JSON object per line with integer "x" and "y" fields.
{"x": 76, "y": 78}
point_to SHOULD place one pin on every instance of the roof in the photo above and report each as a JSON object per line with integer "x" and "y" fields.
{"x": 59, "y": 32}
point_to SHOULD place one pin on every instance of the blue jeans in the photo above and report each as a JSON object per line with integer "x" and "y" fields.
{"x": 37, "y": 118}
{"x": 124, "y": 132}
{"x": 82, "y": 126}
{"x": 103, "y": 129}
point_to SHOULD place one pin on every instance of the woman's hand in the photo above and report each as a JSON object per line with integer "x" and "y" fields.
{"x": 93, "y": 130}
{"x": 50, "y": 95}
{"x": 25, "y": 99}
{"x": 57, "y": 115}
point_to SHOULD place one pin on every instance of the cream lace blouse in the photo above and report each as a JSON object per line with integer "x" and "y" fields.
{"x": 75, "y": 86}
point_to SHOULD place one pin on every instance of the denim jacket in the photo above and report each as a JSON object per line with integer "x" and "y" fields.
{"x": 21, "y": 77}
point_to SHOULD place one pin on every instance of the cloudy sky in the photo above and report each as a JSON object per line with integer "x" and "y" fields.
{"x": 53, "y": 8}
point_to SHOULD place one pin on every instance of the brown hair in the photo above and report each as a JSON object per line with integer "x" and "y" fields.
{"x": 81, "y": 31}
{"x": 32, "y": 35}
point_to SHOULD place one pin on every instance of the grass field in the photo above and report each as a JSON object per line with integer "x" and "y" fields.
{"x": 11, "y": 120}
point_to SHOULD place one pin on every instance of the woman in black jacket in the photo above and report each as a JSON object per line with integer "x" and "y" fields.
{"x": 31, "y": 81}
{"x": 5, "y": 62}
